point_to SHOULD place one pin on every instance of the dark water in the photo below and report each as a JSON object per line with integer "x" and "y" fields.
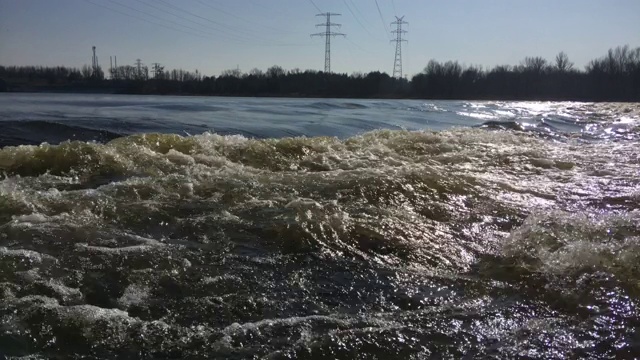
{"x": 275, "y": 228}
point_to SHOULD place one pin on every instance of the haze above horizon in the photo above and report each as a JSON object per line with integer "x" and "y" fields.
{"x": 215, "y": 35}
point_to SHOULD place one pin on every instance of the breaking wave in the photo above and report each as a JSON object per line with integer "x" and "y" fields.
{"x": 495, "y": 241}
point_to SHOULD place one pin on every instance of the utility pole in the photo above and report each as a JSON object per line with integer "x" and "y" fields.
{"x": 328, "y": 34}
{"x": 397, "y": 64}
{"x": 94, "y": 63}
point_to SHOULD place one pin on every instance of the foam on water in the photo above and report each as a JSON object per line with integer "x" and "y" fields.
{"x": 385, "y": 193}
{"x": 565, "y": 244}
{"x": 470, "y": 241}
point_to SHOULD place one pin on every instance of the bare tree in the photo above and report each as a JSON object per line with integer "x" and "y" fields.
{"x": 86, "y": 71}
{"x": 158, "y": 71}
{"x": 98, "y": 74}
{"x": 231, "y": 73}
{"x": 562, "y": 62}
{"x": 535, "y": 64}
{"x": 256, "y": 72}
{"x": 275, "y": 71}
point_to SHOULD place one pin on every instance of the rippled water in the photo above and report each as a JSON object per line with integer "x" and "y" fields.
{"x": 276, "y": 228}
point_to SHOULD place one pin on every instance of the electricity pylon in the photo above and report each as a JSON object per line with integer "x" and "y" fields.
{"x": 328, "y": 34}
{"x": 397, "y": 64}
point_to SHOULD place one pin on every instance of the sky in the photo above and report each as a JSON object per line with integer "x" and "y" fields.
{"x": 216, "y": 35}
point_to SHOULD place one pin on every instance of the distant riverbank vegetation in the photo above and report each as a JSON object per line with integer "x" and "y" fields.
{"x": 612, "y": 77}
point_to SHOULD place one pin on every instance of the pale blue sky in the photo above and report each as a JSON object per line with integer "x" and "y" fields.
{"x": 214, "y": 35}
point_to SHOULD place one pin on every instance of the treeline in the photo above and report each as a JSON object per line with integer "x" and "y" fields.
{"x": 33, "y": 74}
{"x": 613, "y": 77}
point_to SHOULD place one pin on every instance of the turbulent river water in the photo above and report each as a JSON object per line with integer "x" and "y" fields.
{"x": 191, "y": 227}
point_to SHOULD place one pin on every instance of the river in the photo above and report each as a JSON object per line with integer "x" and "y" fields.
{"x": 206, "y": 227}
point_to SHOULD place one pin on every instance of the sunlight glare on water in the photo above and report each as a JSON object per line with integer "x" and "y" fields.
{"x": 325, "y": 229}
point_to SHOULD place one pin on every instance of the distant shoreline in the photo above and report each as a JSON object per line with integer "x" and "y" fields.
{"x": 614, "y": 77}
{"x": 293, "y": 96}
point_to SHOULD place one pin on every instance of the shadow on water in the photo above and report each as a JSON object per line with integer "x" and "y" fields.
{"x": 16, "y": 133}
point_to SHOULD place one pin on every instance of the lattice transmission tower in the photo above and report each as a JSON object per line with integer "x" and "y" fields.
{"x": 328, "y": 34}
{"x": 397, "y": 64}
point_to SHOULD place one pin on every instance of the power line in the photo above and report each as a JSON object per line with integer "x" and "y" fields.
{"x": 176, "y": 15}
{"x": 354, "y": 6}
{"x": 397, "y": 63}
{"x": 208, "y": 27}
{"x": 148, "y": 21}
{"x": 206, "y": 19}
{"x": 158, "y": 18}
{"x": 328, "y": 34}
{"x": 358, "y": 46}
{"x": 384, "y": 23}
{"x": 314, "y": 5}
{"x": 235, "y": 38}
{"x": 241, "y": 38}
{"x": 264, "y": 41}
{"x": 355, "y": 17}
{"x": 288, "y": 12}
{"x": 240, "y": 18}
